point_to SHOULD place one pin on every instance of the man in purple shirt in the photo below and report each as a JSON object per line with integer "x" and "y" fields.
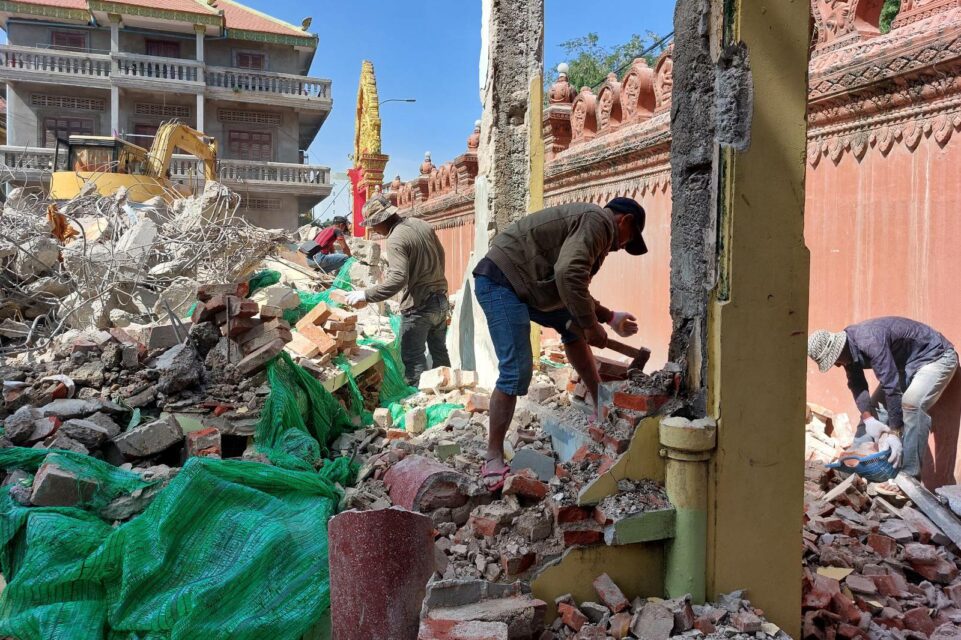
{"x": 913, "y": 364}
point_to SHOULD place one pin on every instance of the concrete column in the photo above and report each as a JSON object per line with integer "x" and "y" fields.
{"x": 200, "y": 31}
{"x": 510, "y": 157}
{"x": 114, "y": 111}
{"x": 115, "y": 20}
{"x": 740, "y": 305}
{"x": 686, "y": 447}
{"x": 12, "y": 133}
{"x": 201, "y": 100}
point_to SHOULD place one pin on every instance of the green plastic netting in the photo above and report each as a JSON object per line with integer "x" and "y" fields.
{"x": 356, "y": 398}
{"x": 228, "y": 550}
{"x": 436, "y": 413}
{"x": 300, "y": 417}
{"x": 262, "y": 279}
{"x": 394, "y": 387}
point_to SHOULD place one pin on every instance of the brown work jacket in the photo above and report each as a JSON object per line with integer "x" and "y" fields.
{"x": 415, "y": 263}
{"x": 550, "y": 256}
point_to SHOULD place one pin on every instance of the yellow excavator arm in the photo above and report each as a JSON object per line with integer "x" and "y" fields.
{"x": 172, "y": 136}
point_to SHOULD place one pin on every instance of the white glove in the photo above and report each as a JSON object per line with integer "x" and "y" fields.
{"x": 891, "y": 441}
{"x": 875, "y": 428}
{"x": 356, "y": 297}
{"x": 623, "y": 323}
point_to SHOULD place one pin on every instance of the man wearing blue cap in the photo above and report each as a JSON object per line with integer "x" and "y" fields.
{"x": 539, "y": 269}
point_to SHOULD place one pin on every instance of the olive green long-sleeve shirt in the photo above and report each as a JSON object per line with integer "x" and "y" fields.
{"x": 415, "y": 259}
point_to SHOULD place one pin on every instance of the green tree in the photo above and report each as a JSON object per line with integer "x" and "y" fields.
{"x": 888, "y": 13}
{"x": 589, "y": 61}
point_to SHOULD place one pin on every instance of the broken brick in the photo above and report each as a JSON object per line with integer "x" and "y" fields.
{"x": 571, "y": 616}
{"x": 582, "y": 534}
{"x": 883, "y": 545}
{"x": 258, "y": 359}
{"x": 610, "y": 594}
{"x": 205, "y": 440}
{"x": 478, "y": 403}
{"x": 642, "y": 403}
{"x": 746, "y": 622}
{"x": 525, "y": 485}
{"x": 919, "y": 619}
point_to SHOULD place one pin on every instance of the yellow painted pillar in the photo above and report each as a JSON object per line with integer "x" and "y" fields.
{"x": 758, "y": 323}
{"x": 535, "y": 201}
{"x": 686, "y": 448}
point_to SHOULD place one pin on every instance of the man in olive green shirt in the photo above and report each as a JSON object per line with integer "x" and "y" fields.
{"x": 415, "y": 259}
{"x": 539, "y": 269}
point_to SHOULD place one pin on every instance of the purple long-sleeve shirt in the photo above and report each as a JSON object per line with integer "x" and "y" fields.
{"x": 890, "y": 346}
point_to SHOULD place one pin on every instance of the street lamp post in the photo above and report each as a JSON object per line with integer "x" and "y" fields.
{"x": 397, "y": 100}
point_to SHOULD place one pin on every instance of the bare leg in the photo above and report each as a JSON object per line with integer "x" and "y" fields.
{"x": 581, "y": 357}
{"x": 501, "y": 413}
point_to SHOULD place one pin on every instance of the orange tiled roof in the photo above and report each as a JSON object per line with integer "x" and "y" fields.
{"x": 237, "y": 16}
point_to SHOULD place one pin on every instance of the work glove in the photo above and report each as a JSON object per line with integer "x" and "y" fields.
{"x": 891, "y": 441}
{"x": 356, "y": 298}
{"x": 623, "y": 323}
{"x": 596, "y": 336}
{"x": 875, "y": 428}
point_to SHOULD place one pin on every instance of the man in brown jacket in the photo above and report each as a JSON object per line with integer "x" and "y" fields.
{"x": 415, "y": 264}
{"x": 539, "y": 269}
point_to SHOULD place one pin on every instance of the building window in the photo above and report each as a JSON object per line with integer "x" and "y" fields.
{"x": 144, "y": 134}
{"x": 249, "y": 117}
{"x": 71, "y": 103}
{"x": 63, "y": 128}
{"x": 162, "y": 48}
{"x": 251, "y": 60}
{"x": 250, "y": 145}
{"x": 69, "y": 40}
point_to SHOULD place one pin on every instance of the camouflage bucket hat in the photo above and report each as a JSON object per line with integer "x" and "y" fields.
{"x": 377, "y": 210}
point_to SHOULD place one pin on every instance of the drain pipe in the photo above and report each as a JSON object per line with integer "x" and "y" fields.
{"x": 686, "y": 447}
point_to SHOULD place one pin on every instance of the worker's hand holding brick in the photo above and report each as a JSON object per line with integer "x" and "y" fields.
{"x": 623, "y": 323}
{"x": 356, "y": 299}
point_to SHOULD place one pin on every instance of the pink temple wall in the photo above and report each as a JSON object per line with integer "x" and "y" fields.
{"x": 458, "y": 240}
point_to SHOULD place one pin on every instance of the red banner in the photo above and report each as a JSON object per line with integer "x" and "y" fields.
{"x": 359, "y": 193}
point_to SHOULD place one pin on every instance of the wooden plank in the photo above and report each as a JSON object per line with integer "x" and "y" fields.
{"x": 924, "y": 500}
{"x": 358, "y": 364}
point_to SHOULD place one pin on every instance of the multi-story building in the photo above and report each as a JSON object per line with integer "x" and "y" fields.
{"x": 122, "y": 67}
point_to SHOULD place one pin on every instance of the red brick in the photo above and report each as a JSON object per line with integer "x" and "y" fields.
{"x": 270, "y": 312}
{"x": 571, "y": 616}
{"x": 238, "y": 326}
{"x": 893, "y": 586}
{"x": 890, "y": 618}
{"x": 570, "y": 513}
{"x": 81, "y": 345}
{"x": 397, "y": 434}
{"x": 616, "y": 446}
{"x": 620, "y": 625}
{"x": 883, "y": 545}
{"x": 267, "y": 338}
{"x": 919, "y": 619}
{"x": 941, "y": 572}
{"x": 259, "y": 359}
{"x": 523, "y": 484}
{"x": 609, "y": 593}
{"x": 844, "y": 607}
{"x": 514, "y": 564}
{"x": 820, "y": 591}
{"x": 324, "y": 341}
{"x": 705, "y": 625}
{"x": 586, "y": 534}
{"x": 316, "y": 316}
{"x": 585, "y": 453}
{"x": 204, "y": 440}
{"x": 643, "y": 403}
{"x": 479, "y": 403}
{"x": 746, "y": 622}
{"x": 486, "y": 527}
{"x": 596, "y": 433}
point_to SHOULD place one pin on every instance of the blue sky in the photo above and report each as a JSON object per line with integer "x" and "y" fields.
{"x": 428, "y": 50}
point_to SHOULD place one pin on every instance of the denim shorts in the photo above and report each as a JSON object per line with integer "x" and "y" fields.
{"x": 509, "y": 321}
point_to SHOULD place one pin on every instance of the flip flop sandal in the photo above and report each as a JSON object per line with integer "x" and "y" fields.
{"x": 502, "y": 474}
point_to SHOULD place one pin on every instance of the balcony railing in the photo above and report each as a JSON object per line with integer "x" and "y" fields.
{"x": 162, "y": 74}
{"x": 31, "y": 163}
{"x": 155, "y": 68}
{"x": 281, "y": 84}
{"x": 25, "y": 62}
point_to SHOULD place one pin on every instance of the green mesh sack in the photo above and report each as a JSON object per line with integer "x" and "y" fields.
{"x": 436, "y": 413}
{"x": 229, "y": 550}
{"x": 298, "y": 409}
{"x": 107, "y": 481}
{"x": 262, "y": 279}
{"x": 356, "y": 398}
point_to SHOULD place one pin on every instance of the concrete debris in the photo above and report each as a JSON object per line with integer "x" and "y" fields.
{"x": 150, "y": 439}
{"x": 54, "y": 486}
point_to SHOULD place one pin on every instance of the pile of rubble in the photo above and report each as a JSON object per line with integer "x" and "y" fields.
{"x": 875, "y": 566}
